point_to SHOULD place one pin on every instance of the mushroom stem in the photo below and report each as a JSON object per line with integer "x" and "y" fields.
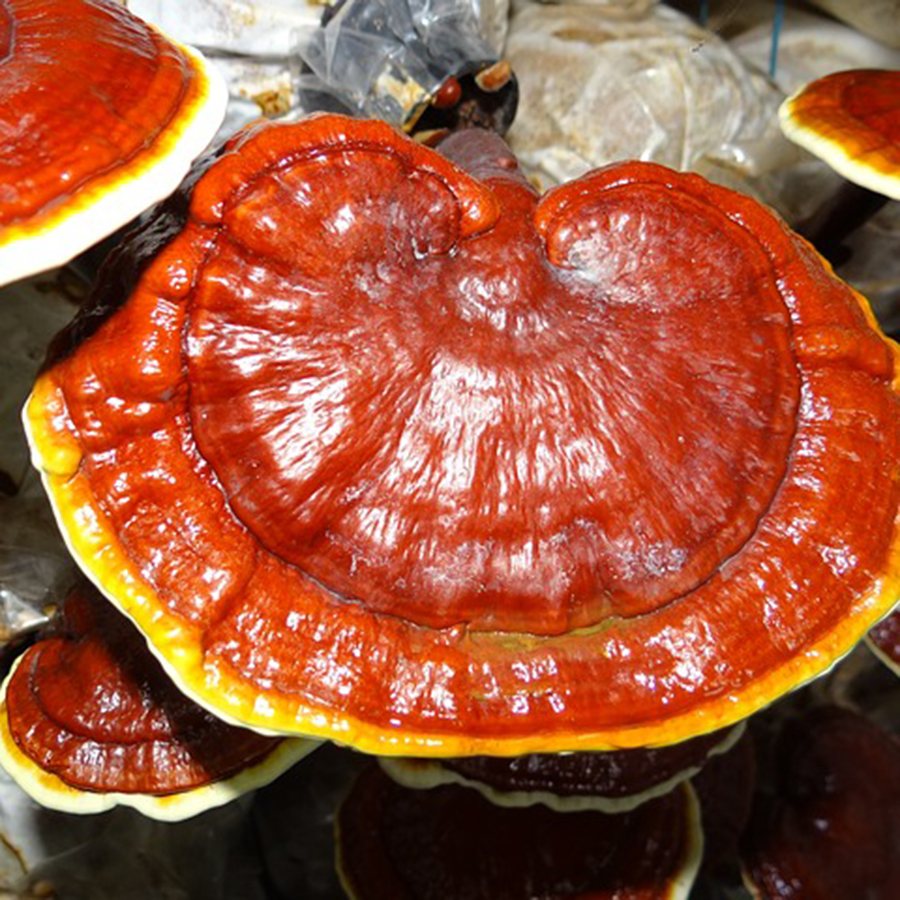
{"x": 483, "y": 154}
{"x": 848, "y": 208}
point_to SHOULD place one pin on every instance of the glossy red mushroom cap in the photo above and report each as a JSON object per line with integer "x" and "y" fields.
{"x": 376, "y": 444}
{"x": 100, "y": 117}
{"x": 851, "y": 120}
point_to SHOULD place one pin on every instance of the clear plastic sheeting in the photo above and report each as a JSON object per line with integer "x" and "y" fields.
{"x": 251, "y": 41}
{"x": 385, "y": 58}
{"x": 121, "y": 854}
{"x": 809, "y": 47}
{"x": 878, "y": 18}
{"x": 31, "y": 312}
{"x": 652, "y": 85}
{"x": 874, "y": 265}
{"x": 493, "y": 16}
{"x": 379, "y": 58}
{"x": 34, "y": 564}
{"x": 263, "y": 29}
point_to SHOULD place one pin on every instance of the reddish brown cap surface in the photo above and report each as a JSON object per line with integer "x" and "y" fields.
{"x": 88, "y": 719}
{"x": 400, "y": 844}
{"x": 383, "y": 448}
{"x": 100, "y": 117}
{"x": 852, "y": 121}
{"x": 831, "y": 827}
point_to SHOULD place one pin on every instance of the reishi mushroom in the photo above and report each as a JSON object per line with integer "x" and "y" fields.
{"x": 851, "y": 121}
{"x": 396, "y": 843}
{"x": 831, "y": 826}
{"x": 375, "y": 444}
{"x": 612, "y": 782}
{"x": 88, "y": 720}
{"x": 100, "y": 117}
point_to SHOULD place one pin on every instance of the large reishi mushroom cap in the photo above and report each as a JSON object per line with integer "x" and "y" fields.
{"x": 851, "y": 120}
{"x": 381, "y": 446}
{"x": 88, "y": 720}
{"x": 100, "y": 117}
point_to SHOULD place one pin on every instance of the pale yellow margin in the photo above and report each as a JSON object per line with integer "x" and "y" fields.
{"x": 679, "y": 888}
{"x": 51, "y": 791}
{"x": 93, "y": 214}
{"x": 424, "y": 774}
{"x": 832, "y": 152}
{"x": 683, "y": 884}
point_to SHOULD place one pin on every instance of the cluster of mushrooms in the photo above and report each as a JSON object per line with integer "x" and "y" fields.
{"x": 375, "y": 445}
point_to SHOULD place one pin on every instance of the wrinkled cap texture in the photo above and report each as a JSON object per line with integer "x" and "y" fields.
{"x": 100, "y": 117}
{"x": 88, "y": 719}
{"x": 851, "y": 120}
{"x": 376, "y": 444}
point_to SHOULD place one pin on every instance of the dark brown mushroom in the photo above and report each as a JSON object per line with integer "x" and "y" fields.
{"x": 884, "y": 641}
{"x": 830, "y": 826}
{"x": 400, "y": 844}
{"x": 611, "y": 782}
{"x": 725, "y": 788}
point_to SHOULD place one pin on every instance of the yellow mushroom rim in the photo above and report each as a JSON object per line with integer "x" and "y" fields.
{"x": 250, "y": 636}
{"x": 100, "y": 127}
{"x": 851, "y": 120}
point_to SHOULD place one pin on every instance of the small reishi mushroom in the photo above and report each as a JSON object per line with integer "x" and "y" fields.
{"x": 851, "y": 121}
{"x": 100, "y": 117}
{"x": 395, "y": 843}
{"x": 612, "y": 782}
{"x": 88, "y": 720}
{"x": 375, "y": 444}
{"x": 831, "y": 825}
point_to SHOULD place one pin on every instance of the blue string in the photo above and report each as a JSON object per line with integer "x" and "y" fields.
{"x": 776, "y": 33}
